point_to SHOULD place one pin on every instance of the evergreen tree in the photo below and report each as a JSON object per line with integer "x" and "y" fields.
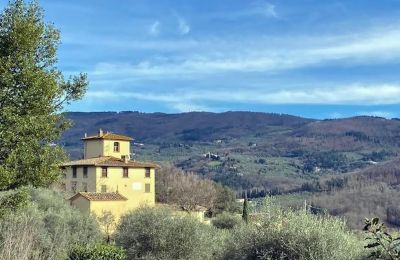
{"x": 245, "y": 215}
{"x": 33, "y": 92}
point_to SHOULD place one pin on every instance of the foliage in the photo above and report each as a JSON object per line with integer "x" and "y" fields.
{"x": 383, "y": 244}
{"x": 328, "y": 160}
{"x": 96, "y": 252}
{"x": 245, "y": 213}
{"x": 32, "y": 93}
{"x": 278, "y": 234}
{"x": 13, "y": 201}
{"x": 157, "y": 233}
{"x": 225, "y": 201}
{"x": 226, "y": 221}
{"x": 45, "y": 228}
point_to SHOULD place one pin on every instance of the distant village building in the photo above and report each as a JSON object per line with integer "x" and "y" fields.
{"x": 212, "y": 156}
{"x": 106, "y": 179}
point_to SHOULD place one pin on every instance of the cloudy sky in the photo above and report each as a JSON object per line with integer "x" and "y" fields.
{"x": 313, "y": 58}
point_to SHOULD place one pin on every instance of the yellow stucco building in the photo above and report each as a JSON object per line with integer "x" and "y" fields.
{"x": 106, "y": 179}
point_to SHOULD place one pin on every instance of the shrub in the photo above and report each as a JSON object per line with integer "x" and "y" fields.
{"x": 12, "y": 201}
{"x": 157, "y": 233}
{"x": 382, "y": 244}
{"x": 96, "y": 252}
{"x": 293, "y": 235}
{"x": 226, "y": 221}
{"x": 45, "y": 229}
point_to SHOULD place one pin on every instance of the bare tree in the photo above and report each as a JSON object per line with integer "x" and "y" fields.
{"x": 107, "y": 222}
{"x": 187, "y": 190}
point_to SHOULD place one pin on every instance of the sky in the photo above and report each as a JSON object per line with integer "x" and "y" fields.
{"x": 312, "y": 58}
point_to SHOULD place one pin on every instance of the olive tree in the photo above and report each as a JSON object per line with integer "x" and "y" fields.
{"x": 33, "y": 92}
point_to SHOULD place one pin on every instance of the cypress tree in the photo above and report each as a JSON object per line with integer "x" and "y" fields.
{"x": 245, "y": 215}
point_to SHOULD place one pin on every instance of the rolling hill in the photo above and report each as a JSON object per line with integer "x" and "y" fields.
{"x": 261, "y": 152}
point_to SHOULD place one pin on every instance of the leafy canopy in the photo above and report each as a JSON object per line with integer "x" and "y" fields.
{"x": 33, "y": 92}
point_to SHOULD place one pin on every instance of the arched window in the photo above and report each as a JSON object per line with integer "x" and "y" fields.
{"x": 116, "y": 146}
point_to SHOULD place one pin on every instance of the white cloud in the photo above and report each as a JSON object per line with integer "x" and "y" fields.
{"x": 371, "y": 46}
{"x": 344, "y": 95}
{"x": 183, "y": 26}
{"x": 385, "y": 114}
{"x": 264, "y": 8}
{"x": 154, "y": 28}
{"x": 259, "y": 8}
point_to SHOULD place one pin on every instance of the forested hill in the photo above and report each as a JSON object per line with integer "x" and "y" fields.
{"x": 253, "y": 150}
{"x": 193, "y": 126}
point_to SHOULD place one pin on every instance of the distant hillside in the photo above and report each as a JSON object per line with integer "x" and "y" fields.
{"x": 371, "y": 192}
{"x": 194, "y": 126}
{"x": 262, "y": 152}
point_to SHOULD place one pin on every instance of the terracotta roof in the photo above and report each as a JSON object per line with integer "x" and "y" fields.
{"x": 110, "y": 161}
{"x": 108, "y": 136}
{"x": 99, "y": 196}
{"x": 198, "y": 208}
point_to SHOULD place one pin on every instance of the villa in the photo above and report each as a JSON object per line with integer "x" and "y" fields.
{"x": 106, "y": 179}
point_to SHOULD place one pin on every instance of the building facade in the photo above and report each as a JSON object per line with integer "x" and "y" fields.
{"x": 107, "y": 179}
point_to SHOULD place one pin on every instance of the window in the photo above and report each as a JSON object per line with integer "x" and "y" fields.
{"x": 116, "y": 146}
{"x": 85, "y": 171}
{"x": 84, "y": 186}
{"x": 73, "y": 186}
{"x": 74, "y": 172}
{"x": 147, "y": 172}
{"x": 125, "y": 172}
{"x": 104, "y": 172}
{"x": 103, "y": 188}
{"x": 147, "y": 188}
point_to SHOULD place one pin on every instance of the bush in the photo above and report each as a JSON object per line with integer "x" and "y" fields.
{"x": 293, "y": 235}
{"x": 13, "y": 201}
{"x": 226, "y": 221}
{"x": 96, "y": 252}
{"x": 157, "y": 233}
{"x": 45, "y": 229}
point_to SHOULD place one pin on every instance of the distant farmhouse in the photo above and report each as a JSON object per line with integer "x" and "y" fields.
{"x": 106, "y": 179}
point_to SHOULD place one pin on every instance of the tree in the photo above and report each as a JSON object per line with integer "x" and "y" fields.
{"x": 33, "y": 92}
{"x": 107, "y": 223}
{"x": 245, "y": 215}
{"x": 186, "y": 190}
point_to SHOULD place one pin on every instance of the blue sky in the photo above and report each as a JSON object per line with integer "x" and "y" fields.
{"x": 313, "y": 58}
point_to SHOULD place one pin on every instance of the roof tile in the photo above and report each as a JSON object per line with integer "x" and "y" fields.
{"x": 99, "y": 196}
{"x": 110, "y": 161}
{"x": 108, "y": 136}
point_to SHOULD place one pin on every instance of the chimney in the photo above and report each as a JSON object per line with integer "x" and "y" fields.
{"x": 85, "y": 135}
{"x": 126, "y": 158}
{"x": 100, "y": 132}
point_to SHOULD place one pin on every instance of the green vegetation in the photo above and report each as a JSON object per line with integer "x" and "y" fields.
{"x": 32, "y": 92}
{"x": 44, "y": 226}
{"x": 278, "y": 234}
{"x": 383, "y": 244}
{"x": 245, "y": 213}
{"x": 96, "y": 252}
{"x": 226, "y": 221}
{"x": 273, "y": 234}
{"x": 161, "y": 234}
